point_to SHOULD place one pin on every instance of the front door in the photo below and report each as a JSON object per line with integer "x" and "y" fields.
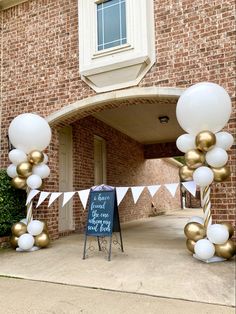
{"x": 65, "y": 178}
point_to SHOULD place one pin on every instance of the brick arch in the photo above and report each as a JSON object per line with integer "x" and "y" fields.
{"x": 99, "y": 102}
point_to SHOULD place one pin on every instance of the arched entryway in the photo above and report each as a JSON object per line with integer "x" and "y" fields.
{"x": 128, "y": 124}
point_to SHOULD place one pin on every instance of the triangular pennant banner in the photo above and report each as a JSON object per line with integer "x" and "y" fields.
{"x": 120, "y": 194}
{"x": 67, "y": 197}
{"x": 53, "y": 197}
{"x": 136, "y": 192}
{"x": 84, "y": 195}
{"x": 153, "y": 189}
{"x": 42, "y": 197}
{"x": 172, "y": 187}
{"x": 191, "y": 187}
{"x": 31, "y": 195}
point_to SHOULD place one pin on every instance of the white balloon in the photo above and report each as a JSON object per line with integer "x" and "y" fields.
{"x": 216, "y": 157}
{"x": 34, "y": 181}
{"x": 41, "y": 170}
{"x": 203, "y": 176}
{"x": 17, "y": 156}
{"x": 26, "y": 241}
{"x": 11, "y": 171}
{"x": 45, "y": 159}
{"x": 185, "y": 142}
{"x": 224, "y": 140}
{"x": 203, "y": 106}
{"x": 29, "y": 132}
{"x": 24, "y": 220}
{"x": 204, "y": 249}
{"x": 217, "y": 234}
{"x": 198, "y": 219}
{"x": 35, "y": 227}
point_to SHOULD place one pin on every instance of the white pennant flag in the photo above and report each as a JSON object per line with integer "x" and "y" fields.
{"x": 42, "y": 197}
{"x": 120, "y": 194}
{"x": 31, "y": 195}
{"x": 84, "y": 195}
{"x": 153, "y": 189}
{"x": 53, "y": 197}
{"x": 172, "y": 187}
{"x": 191, "y": 187}
{"x": 136, "y": 192}
{"x": 67, "y": 196}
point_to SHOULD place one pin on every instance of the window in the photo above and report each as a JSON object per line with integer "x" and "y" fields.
{"x": 116, "y": 42}
{"x": 111, "y": 24}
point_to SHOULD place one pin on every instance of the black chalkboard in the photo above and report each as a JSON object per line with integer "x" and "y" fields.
{"x": 101, "y": 213}
{"x": 103, "y": 217}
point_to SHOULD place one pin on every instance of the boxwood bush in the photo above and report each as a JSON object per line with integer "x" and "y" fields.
{"x": 12, "y": 204}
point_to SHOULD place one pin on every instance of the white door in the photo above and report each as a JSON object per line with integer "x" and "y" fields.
{"x": 65, "y": 178}
{"x": 99, "y": 160}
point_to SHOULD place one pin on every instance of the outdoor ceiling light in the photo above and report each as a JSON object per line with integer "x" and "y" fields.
{"x": 164, "y": 119}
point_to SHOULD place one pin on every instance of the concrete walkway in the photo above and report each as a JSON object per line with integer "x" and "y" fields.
{"x": 30, "y": 297}
{"x": 155, "y": 263}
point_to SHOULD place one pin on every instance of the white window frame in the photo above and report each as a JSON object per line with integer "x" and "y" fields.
{"x": 97, "y": 67}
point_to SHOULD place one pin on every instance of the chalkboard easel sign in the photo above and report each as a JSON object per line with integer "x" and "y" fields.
{"x": 103, "y": 216}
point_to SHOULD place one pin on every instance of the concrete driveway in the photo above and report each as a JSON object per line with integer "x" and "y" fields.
{"x": 155, "y": 263}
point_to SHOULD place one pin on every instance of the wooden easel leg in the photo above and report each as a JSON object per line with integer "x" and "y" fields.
{"x": 99, "y": 244}
{"x": 85, "y": 242}
{"x": 109, "y": 253}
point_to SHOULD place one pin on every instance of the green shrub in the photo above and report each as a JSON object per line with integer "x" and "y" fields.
{"x": 12, "y": 204}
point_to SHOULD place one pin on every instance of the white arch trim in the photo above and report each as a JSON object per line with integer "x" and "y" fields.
{"x": 101, "y": 99}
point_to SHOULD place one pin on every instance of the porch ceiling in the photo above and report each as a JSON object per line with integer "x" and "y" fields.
{"x": 140, "y": 120}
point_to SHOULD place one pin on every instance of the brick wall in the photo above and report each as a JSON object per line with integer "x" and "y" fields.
{"x": 195, "y": 41}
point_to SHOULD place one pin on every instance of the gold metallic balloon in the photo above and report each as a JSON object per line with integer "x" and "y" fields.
{"x": 229, "y": 227}
{"x": 24, "y": 169}
{"x": 194, "y": 158}
{"x": 194, "y": 231}
{"x": 19, "y": 183}
{"x": 35, "y": 157}
{"x": 205, "y": 140}
{"x": 185, "y": 173}
{"x": 190, "y": 245}
{"x": 226, "y": 250}
{"x": 42, "y": 240}
{"x": 14, "y": 241}
{"x": 221, "y": 174}
{"x": 18, "y": 229}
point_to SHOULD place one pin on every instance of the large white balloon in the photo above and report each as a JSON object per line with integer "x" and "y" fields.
{"x": 41, "y": 170}
{"x": 17, "y": 156}
{"x": 204, "y": 249}
{"x": 34, "y": 181}
{"x": 217, "y": 234}
{"x": 29, "y": 132}
{"x": 203, "y": 106}
{"x": 26, "y": 241}
{"x": 11, "y": 171}
{"x": 35, "y": 227}
{"x": 216, "y": 157}
{"x": 203, "y": 176}
{"x": 198, "y": 219}
{"x": 224, "y": 140}
{"x": 185, "y": 142}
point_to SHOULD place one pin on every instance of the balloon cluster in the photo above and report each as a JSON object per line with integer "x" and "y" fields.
{"x": 30, "y": 135}
{"x": 205, "y": 157}
{"x": 215, "y": 240}
{"x": 31, "y": 236}
{"x": 202, "y": 111}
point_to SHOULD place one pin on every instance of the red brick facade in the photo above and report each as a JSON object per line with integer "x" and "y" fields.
{"x": 195, "y": 41}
